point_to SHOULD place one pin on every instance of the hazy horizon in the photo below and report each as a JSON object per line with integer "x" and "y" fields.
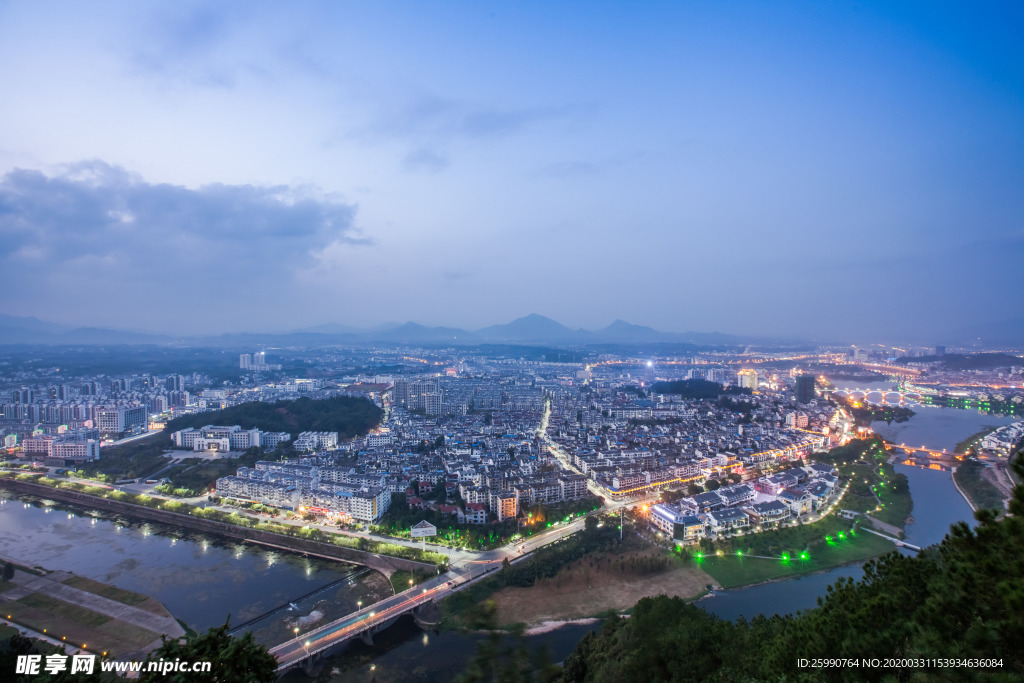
{"x": 806, "y": 170}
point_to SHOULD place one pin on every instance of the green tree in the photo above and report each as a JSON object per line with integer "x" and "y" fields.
{"x": 233, "y": 659}
{"x": 8, "y": 571}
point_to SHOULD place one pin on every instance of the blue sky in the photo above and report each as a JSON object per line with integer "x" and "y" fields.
{"x": 821, "y": 169}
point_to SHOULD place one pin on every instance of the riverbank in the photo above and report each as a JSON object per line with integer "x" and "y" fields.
{"x": 87, "y": 614}
{"x": 966, "y": 445}
{"x": 733, "y": 570}
{"x": 190, "y": 519}
{"x": 978, "y": 485}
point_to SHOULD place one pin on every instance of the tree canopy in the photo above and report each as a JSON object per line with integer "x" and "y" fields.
{"x": 232, "y": 659}
{"x": 346, "y": 415}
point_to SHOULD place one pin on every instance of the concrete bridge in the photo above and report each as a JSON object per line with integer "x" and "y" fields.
{"x": 307, "y": 650}
{"x": 880, "y": 396}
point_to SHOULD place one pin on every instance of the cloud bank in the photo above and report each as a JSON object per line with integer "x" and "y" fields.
{"x": 104, "y": 240}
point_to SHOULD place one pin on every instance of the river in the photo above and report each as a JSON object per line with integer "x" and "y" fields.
{"x": 200, "y": 579}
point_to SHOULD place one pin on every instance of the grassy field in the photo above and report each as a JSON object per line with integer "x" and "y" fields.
{"x": 593, "y": 586}
{"x": 730, "y": 571}
{"x": 143, "y": 602}
{"x": 401, "y": 578}
{"x": 64, "y": 611}
{"x": 78, "y": 625}
{"x": 132, "y": 460}
{"x": 876, "y": 489}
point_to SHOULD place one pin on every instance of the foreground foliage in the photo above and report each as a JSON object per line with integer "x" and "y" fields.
{"x": 232, "y": 659}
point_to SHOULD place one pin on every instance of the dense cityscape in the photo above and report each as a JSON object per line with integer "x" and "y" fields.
{"x": 469, "y": 458}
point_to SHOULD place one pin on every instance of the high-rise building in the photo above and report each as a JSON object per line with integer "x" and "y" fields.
{"x": 245, "y": 361}
{"x": 804, "y": 388}
{"x": 747, "y": 379}
{"x": 719, "y": 375}
{"x": 940, "y": 351}
{"x": 121, "y": 419}
{"x": 174, "y": 383}
{"x": 179, "y": 399}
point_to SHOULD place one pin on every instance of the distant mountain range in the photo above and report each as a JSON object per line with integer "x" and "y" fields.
{"x": 531, "y": 329}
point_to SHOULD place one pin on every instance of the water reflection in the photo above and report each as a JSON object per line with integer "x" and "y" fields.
{"x": 201, "y": 579}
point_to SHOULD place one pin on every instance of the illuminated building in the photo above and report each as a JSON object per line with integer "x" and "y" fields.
{"x": 747, "y": 379}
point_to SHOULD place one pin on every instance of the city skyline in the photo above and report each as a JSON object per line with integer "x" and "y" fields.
{"x": 799, "y": 171}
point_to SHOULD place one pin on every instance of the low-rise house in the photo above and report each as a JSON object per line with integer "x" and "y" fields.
{"x": 796, "y": 499}
{"x": 726, "y": 519}
{"x": 819, "y": 492}
{"x": 768, "y": 514}
{"x": 476, "y": 513}
{"x": 735, "y": 495}
{"x": 689, "y": 529}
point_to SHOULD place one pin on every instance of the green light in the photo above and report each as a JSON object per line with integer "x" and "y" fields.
{"x": 828, "y": 538}
{"x": 739, "y": 553}
{"x": 785, "y": 557}
{"x": 803, "y": 556}
{"x": 842, "y": 535}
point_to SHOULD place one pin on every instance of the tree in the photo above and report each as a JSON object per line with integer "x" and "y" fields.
{"x": 233, "y": 659}
{"x": 694, "y": 489}
{"x": 8, "y": 571}
{"x": 590, "y": 524}
{"x": 712, "y": 484}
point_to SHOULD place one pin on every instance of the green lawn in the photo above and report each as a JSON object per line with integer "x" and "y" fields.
{"x": 730, "y": 571}
{"x": 400, "y": 579}
{"x": 876, "y": 489}
{"x": 105, "y": 590}
{"x": 64, "y": 611}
